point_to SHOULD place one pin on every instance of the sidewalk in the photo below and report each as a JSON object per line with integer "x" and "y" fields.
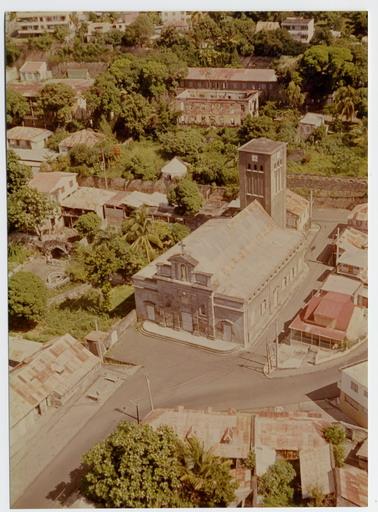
{"x": 339, "y": 357}
{"x": 150, "y": 328}
{"x": 28, "y": 462}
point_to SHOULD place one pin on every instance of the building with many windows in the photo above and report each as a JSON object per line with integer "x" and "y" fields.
{"x": 36, "y": 23}
{"x": 207, "y": 107}
{"x": 300, "y": 29}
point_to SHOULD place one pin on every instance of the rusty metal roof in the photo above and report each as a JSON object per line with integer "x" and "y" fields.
{"x": 56, "y": 369}
{"x": 232, "y": 74}
{"x": 353, "y": 485}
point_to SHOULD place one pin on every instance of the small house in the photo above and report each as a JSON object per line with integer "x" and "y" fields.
{"x": 32, "y": 71}
{"x": 309, "y": 123}
{"x": 174, "y": 169}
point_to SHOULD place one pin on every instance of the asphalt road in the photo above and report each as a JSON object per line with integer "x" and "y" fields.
{"x": 182, "y": 375}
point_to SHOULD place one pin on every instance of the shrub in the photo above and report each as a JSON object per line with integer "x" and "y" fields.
{"x": 339, "y": 455}
{"x": 27, "y": 298}
{"x": 334, "y": 434}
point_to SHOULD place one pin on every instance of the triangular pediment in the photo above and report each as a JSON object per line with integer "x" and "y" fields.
{"x": 184, "y": 258}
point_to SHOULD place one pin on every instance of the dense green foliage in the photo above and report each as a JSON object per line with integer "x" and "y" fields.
{"x": 27, "y": 298}
{"x": 186, "y": 197}
{"x": 88, "y": 225}
{"x": 138, "y": 467}
{"x": 18, "y": 175}
{"x": 55, "y": 104}
{"x": 336, "y": 436}
{"x": 274, "y": 485}
{"x": 17, "y": 107}
{"x": 28, "y": 209}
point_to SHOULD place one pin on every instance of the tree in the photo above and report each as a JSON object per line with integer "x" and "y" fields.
{"x": 250, "y": 462}
{"x": 27, "y": 298}
{"x": 140, "y": 233}
{"x": 12, "y": 52}
{"x": 102, "y": 260}
{"x": 185, "y": 143}
{"x": 186, "y": 196}
{"x": 81, "y": 154}
{"x": 139, "y": 32}
{"x": 178, "y": 232}
{"x": 136, "y": 113}
{"x": 317, "y": 497}
{"x": 274, "y": 484}
{"x": 28, "y": 210}
{"x": 17, "y": 107}
{"x": 206, "y": 478}
{"x": 18, "y": 175}
{"x": 294, "y": 97}
{"x": 88, "y": 225}
{"x": 142, "y": 165}
{"x": 252, "y": 127}
{"x": 345, "y": 102}
{"x": 334, "y": 434}
{"x": 55, "y": 102}
{"x": 134, "y": 467}
{"x": 339, "y": 454}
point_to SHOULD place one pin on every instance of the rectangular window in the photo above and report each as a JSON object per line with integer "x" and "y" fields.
{"x": 354, "y": 387}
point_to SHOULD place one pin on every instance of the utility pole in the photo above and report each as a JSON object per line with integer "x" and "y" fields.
{"x": 311, "y": 202}
{"x": 149, "y": 392}
{"x": 337, "y": 245}
{"x": 276, "y": 344}
{"x": 104, "y": 168}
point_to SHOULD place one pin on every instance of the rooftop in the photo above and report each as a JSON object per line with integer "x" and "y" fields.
{"x": 234, "y": 251}
{"x": 326, "y": 314}
{"x": 359, "y": 213}
{"x": 87, "y": 198}
{"x": 316, "y": 470}
{"x": 312, "y": 119}
{"x": 262, "y": 145}
{"x": 229, "y": 434}
{"x": 212, "y": 94}
{"x": 32, "y": 66}
{"x": 28, "y": 133}
{"x": 294, "y": 20}
{"x": 20, "y": 349}
{"x": 355, "y": 258}
{"x": 341, "y": 284}
{"x": 353, "y": 238}
{"x": 175, "y": 167}
{"x": 358, "y": 372}
{"x": 48, "y": 182}
{"x": 33, "y": 89}
{"x": 353, "y": 485}
{"x": 267, "y": 25}
{"x": 35, "y": 155}
{"x": 54, "y": 370}
{"x": 237, "y": 74}
{"x": 87, "y": 137}
{"x": 295, "y": 203}
{"x": 137, "y": 199}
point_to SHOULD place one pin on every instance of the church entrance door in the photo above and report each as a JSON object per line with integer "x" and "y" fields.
{"x": 227, "y": 332}
{"x": 150, "y": 312}
{"x": 187, "y": 322}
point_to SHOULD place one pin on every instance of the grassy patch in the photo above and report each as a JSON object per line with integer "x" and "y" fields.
{"x": 79, "y": 316}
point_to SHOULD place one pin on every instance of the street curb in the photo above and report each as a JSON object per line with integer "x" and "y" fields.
{"x": 318, "y": 367}
{"x": 150, "y": 334}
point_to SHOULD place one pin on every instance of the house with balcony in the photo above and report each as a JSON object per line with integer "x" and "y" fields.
{"x": 300, "y": 29}
{"x": 35, "y": 23}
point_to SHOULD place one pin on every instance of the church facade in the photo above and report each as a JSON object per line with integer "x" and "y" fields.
{"x": 230, "y": 276}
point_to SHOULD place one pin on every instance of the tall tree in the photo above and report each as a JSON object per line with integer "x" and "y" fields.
{"x": 274, "y": 485}
{"x": 17, "y": 108}
{"x": 27, "y": 299}
{"x": 55, "y": 103}
{"x": 186, "y": 196}
{"x": 28, "y": 210}
{"x": 18, "y": 175}
{"x": 134, "y": 467}
{"x": 140, "y": 233}
{"x": 345, "y": 102}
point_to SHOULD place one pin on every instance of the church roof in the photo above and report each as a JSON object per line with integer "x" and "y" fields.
{"x": 240, "y": 253}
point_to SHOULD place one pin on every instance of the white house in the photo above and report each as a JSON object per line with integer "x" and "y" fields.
{"x": 32, "y": 71}
{"x": 175, "y": 168}
{"x": 353, "y": 386}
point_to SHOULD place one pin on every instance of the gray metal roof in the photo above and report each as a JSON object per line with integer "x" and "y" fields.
{"x": 262, "y": 145}
{"x": 235, "y": 251}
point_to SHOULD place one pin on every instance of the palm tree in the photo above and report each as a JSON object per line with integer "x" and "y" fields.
{"x": 139, "y": 231}
{"x": 345, "y": 101}
{"x": 205, "y": 477}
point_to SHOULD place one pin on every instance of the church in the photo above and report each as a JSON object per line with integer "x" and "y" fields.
{"x": 230, "y": 276}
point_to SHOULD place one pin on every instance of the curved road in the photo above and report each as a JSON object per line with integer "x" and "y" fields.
{"x": 181, "y": 375}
